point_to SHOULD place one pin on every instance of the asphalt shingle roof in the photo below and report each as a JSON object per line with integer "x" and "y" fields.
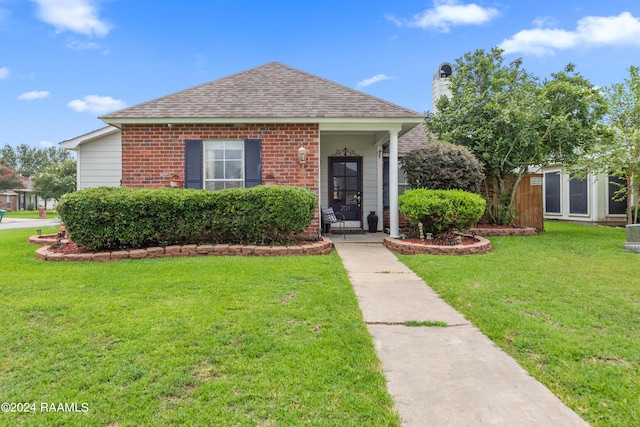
{"x": 272, "y": 90}
{"x": 413, "y": 139}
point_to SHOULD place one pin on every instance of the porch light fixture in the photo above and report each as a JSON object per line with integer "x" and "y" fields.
{"x": 302, "y": 155}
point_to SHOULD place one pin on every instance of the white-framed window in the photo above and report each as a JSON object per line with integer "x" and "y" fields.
{"x": 552, "y": 192}
{"x": 223, "y": 164}
{"x": 578, "y": 196}
{"x": 615, "y": 207}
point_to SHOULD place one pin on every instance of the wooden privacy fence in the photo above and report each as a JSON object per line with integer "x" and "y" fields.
{"x": 529, "y": 207}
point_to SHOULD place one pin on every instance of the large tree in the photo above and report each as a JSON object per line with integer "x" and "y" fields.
{"x": 619, "y": 155}
{"x": 56, "y": 180}
{"x": 29, "y": 161}
{"x": 511, "y": 120}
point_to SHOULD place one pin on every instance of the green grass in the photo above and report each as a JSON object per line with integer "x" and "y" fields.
{"x": 428, "y": 323}
{"x": 30, "y": 214}
{"x": 565, "y": 304}
{"x": 186, "y": 341}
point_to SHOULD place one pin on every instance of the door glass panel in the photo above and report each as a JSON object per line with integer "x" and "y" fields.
{"x": 346, "y": 191}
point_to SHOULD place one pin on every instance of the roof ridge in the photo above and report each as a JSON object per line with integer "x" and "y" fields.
{"x": 280, "y": 91}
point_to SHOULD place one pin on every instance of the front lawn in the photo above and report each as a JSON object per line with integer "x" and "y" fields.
{"x": 565, "y": 304}
{"x": 186, "y": 341}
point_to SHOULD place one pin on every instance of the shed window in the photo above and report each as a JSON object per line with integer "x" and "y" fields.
{"x": 552, "y": 192}
{"x": 578, "y": 196}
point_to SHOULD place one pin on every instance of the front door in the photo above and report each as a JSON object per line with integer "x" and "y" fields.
{"x": 345, "y": 188}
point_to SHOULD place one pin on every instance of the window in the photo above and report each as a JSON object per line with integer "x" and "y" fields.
{"x": 402, "y": 182}
{"x": 223, "y": 164}
{"x": 616, "y": 207}
{"x": 215, "y": 165}
{"x": 578, "y": 196}
{"x": 552, "y": 192}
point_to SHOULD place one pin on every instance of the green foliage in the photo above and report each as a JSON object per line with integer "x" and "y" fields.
{"x": 30, "y": 161}
{"x": 9, "y": 179}
{"x": 443, "y": 166}
{"x": 55, "y": 180}
{"x": 511, "y": 120}
{"x": 441, "y": 211}
{"x": 115, "y": 218}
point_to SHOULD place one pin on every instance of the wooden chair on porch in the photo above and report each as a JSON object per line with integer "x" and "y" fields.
{"x": 330, "y": 217}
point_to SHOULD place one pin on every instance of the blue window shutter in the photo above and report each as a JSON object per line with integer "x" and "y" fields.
{"x": 193, "y": 153}
{"x": 252, "y": 162}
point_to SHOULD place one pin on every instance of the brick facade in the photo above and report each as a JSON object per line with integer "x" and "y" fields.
{"x": 151, "y": 154}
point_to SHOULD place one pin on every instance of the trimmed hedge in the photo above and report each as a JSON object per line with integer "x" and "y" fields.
{"x": 127, "y": 218}
{"x": 441, "y": 211}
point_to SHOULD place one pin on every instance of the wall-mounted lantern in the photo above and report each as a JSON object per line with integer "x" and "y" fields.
{"x": 302, "y": 155}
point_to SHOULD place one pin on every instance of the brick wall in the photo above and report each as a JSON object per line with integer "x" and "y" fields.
{"x": 151, "y": 154}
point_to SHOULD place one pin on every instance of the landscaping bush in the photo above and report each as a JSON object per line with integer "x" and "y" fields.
{"x": 126, "y": 218}
{"x": 441, "y": 211}
{"x": 443, "y": 166}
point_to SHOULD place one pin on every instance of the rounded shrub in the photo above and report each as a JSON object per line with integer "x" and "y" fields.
{"x": 441, "y": 211}
{"x": 127, "y": 218}
{"x": 443, "y": 166}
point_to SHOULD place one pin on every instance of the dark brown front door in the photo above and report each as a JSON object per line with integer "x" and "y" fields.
{"x": 345, "y": 186}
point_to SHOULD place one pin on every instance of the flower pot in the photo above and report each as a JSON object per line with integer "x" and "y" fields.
{"x": 372, "y": 221}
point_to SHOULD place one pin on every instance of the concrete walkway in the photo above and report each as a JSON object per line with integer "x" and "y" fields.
{"x": 453, "y": 376}
{"x": 10, "y": 223}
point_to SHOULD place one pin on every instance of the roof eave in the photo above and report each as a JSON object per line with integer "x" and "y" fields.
{"x": 117, "y": 121}
{"x": 74, "y": 143}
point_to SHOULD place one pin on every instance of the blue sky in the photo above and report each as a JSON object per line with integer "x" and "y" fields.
{"x": 65, "y": 62}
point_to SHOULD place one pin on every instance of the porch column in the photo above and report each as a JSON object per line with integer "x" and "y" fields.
{"x": 394, "y": 228}
{"x": 379, "y": 185}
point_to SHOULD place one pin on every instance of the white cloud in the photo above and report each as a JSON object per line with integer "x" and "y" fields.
{"x": 78, "y": 16}
{"x": 34, "y": 94}
{"x": 371, "y": 80}
{"x": 74, "y": 44}
{"x": 96, "y": 104}
{"x": 448, "y": 13}
{"x": 4, "y": 73}
{"x": 591, "y": 31}
{"x": 46, "y": 144}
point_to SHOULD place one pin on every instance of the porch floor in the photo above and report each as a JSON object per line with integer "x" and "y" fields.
{"x": 357, "y": 237}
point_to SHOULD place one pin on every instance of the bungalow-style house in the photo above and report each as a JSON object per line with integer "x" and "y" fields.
{"x": 22, "y": 198}
{"x": 271, "y": 123}
{"x": 584, "y": 200}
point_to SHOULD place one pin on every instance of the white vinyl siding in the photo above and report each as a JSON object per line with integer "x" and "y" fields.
{"x": 100, "y": 162}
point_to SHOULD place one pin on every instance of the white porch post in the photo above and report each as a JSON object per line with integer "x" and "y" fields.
{"x": 380, "y": 183}
{"x": 394, "y": 228}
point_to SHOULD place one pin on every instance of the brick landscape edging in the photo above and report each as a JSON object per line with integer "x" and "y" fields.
{"x": 325, "y": 246}
{"x": 409, "y": 248}
{"x": 518, "y": 231}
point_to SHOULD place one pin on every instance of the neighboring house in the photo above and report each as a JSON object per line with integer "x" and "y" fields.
{"x": 271, "y": 120}
{"x": 586, "y": 200}
{"x": 19, "y": 198}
